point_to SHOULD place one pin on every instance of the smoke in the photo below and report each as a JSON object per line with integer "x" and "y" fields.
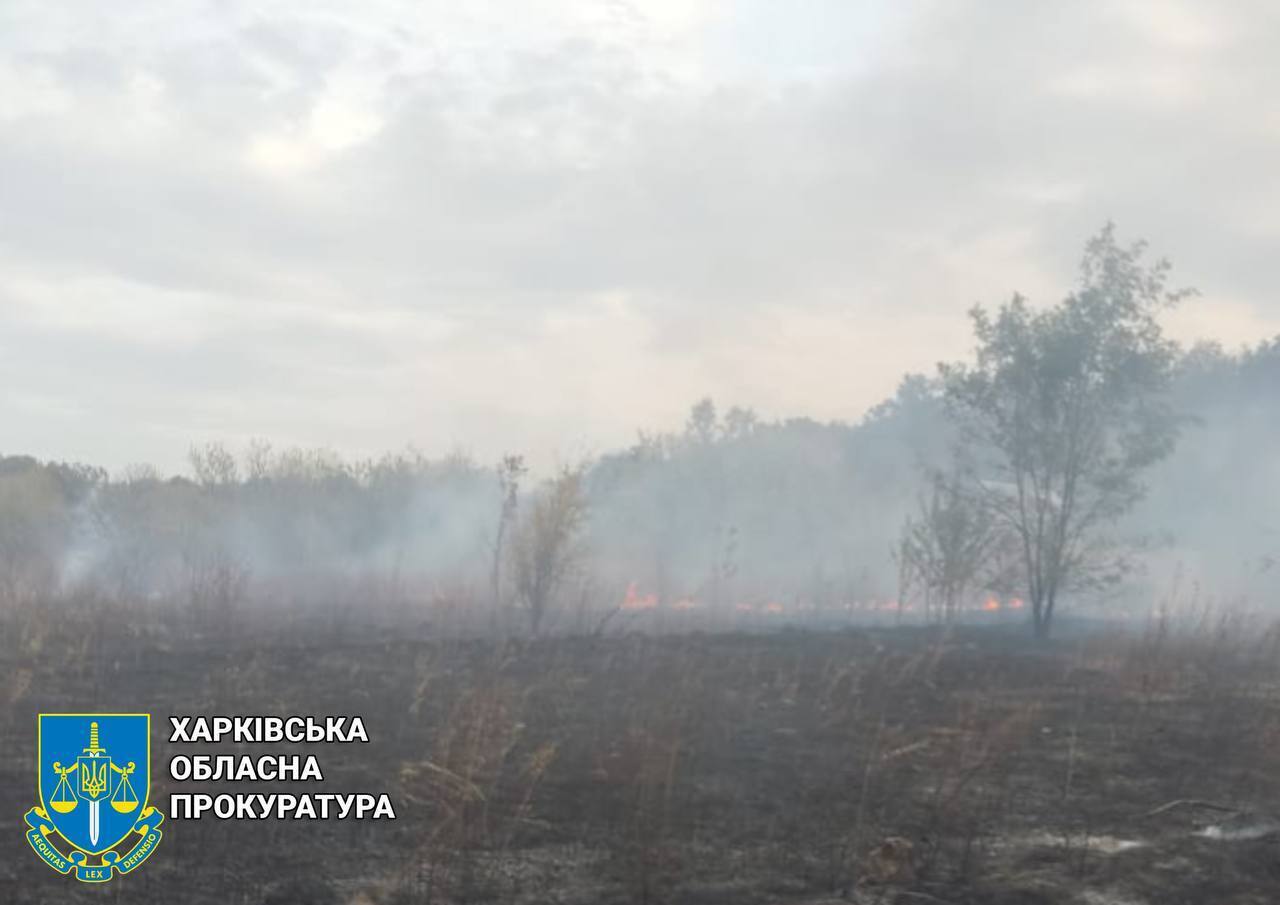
{"x": 730, "y": 514}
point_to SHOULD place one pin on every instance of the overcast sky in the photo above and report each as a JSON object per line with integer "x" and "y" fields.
{"x": 541, "y": 226}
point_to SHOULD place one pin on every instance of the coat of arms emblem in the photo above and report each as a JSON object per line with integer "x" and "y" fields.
{"x": 93, "y": 774}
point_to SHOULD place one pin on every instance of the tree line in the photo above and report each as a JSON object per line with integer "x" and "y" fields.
{"x": 1046, "y": 466}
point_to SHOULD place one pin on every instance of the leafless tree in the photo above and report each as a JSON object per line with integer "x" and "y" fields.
{"x": 213, "y": 465}
{"x": 34, "y": 521}
{"x": 511, "y": 470}
{"x": 948, "y": 544}
{"x": 547, "y": 544}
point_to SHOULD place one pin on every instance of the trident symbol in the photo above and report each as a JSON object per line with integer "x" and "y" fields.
{"x": 95, "y": 776}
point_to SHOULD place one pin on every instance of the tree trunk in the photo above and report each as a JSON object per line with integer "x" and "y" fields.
{"x": 1041, "y": 615}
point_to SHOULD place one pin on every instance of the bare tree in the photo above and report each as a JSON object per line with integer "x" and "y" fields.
{"x": 213, "y": 465}
{"x": 1063, "y": 411}
{"x": 257, "y": 460}
{"x": 511, "y": 470}
{"x": 946, "y": 547}
{"x": 34, "y": 525}
{"x": 547, "y": 546}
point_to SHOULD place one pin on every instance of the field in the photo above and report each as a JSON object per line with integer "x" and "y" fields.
{"x": 888, "y": 765}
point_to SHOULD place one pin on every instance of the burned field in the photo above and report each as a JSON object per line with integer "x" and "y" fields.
{"x": 888, "y": 765}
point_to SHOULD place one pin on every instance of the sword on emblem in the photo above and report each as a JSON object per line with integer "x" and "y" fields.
{"x": 95, "y": 777}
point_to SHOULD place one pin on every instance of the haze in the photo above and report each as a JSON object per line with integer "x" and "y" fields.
{"x": 542, "y": 228}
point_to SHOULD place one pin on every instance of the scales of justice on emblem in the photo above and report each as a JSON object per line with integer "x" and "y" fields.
{"x": 93, "y": 777}
{"x": 93, "y": 770}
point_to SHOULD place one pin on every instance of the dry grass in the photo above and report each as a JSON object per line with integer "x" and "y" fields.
{"x": 886, "y": 765}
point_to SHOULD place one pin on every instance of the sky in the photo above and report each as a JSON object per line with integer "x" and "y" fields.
{"x": 542, "y": 226}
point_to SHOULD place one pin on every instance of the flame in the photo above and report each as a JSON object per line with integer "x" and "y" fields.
{"x": 635, "y": 601}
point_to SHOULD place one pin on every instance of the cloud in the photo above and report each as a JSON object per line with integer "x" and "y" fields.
{"x": 544, "y": 226}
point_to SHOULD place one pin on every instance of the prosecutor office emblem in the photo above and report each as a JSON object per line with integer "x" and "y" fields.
{"x": 93, "y": 775}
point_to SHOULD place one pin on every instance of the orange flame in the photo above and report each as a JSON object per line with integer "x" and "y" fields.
{"x": 635, "y": 601}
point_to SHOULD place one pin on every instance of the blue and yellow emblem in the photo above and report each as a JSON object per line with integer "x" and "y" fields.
{"x": 93, "y": 773}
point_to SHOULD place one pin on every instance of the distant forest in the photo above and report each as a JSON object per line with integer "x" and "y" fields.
{"x": 731, "y": 511}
